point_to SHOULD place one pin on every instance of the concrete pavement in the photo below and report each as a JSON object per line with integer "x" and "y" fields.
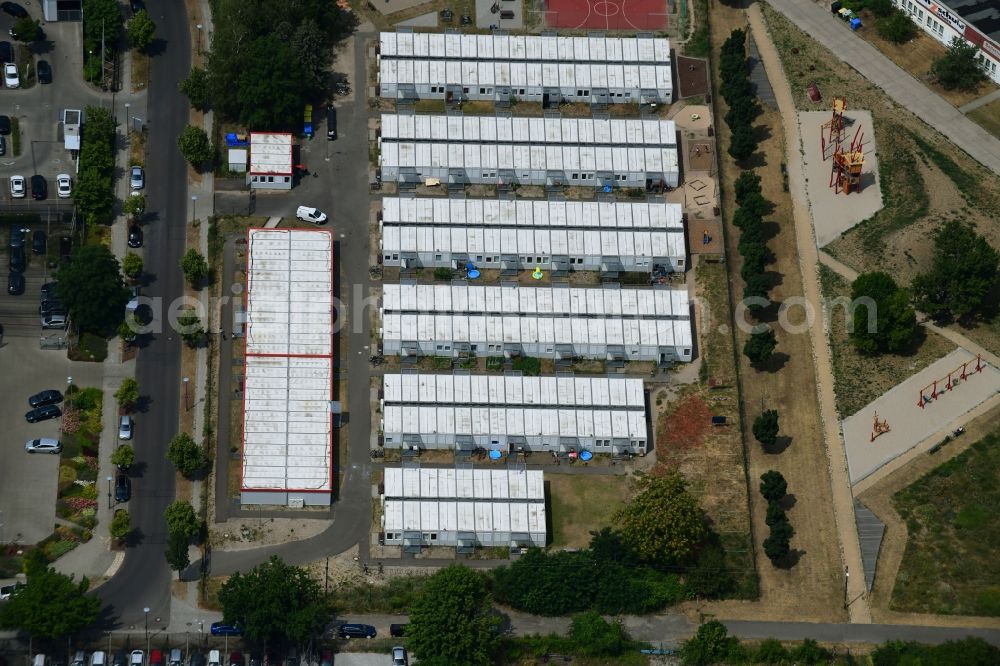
{"x": 982, "y": 101}
{"x": 816, "y": 20}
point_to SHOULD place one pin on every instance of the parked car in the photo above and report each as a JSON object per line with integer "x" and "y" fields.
{"x": 156, "y": 658}
{"x": 64, "y": 186}
{"x": 176, "y": 658}
{"x": 399, "y": 657}
{"x": 397, "y": 630}
{"x": 6, "y": 52}
{"x": 17, "y": 187}
{"x": 43, "y": 445}
{"x": 10, "y": 76}
{"x": 214, "y": 658}
{"x": 44, "y": 70}
{"x": 314, "y": 215}
{"x": 79, "y": 659}
{"x": 47, "y": 397}
{"x": 65, "y": 247}
{"x": 326, "y": 658}
{"x": 39, "y": 242}
{"x": 119, "y": 659}
{"x": 235, "y": 659}
{"x": 15, "y": 283}
{"x": 39, "y": 188}
{"x": 43, "y": 413}
{"x": 98, "y": 658}
{"x": 4, "y": 124}
{"x": 135, "y": 236}
{"x": 137, "y": 178}
{"x": 223, "y": 629}
{"x": 125, "y": 427}
{"x": 331, "y": 123}
{"x": 136, "y": 658}
{"x": 18, "y": 262}
{"x": 197, "y": 659}
{"x": 3, "y": 145}
{"x": 123, "y": 493}
{"x": 352, "y": 630}
{"x": 14, "y": 9}
{"x": 53, "y": 320}
{"x": 51, "y": 305}
{"x": 48, "y": 290}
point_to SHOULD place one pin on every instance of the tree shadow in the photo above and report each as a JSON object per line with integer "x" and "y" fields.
{"x": 42, "y": 47}
{"x": 137, "y": 470}
{"x": 769, "y": 228}
{"x": 780, "y": 443}
{"x": 134, "y": 538}
{"x": 788, "y": 501}
{"x": 775, "y": 363}
{"x": 142, "y": 404}
{"x": 774, "y": 278}
{"x": 790, "y": 560}
{"x": 156, "y": 47}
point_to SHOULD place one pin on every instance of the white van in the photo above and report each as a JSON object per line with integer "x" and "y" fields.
{"x": 97, "y": 658}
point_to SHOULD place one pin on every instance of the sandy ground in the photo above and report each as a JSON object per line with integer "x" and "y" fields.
{"x": 244, "y": 533}
{"x": 910, "y": 424}
{"x": 832, "y": 213}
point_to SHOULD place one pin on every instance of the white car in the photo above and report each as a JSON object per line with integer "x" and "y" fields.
{"x": 125, "y": 427}
{"x": 10, "y": 77}
{"x": 18, "y": 187}
{"x": 314, "y": 215}
{"x": 214, "y": 658}
{"x": 137, "y": 658}
{"x": 137, "y": 178}
{"x": 43, "y": 445}
{"x": 64, "y": 186}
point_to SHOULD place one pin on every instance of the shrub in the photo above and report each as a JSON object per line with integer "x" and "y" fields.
{"x": 765, "y": 427}
{"x": 897, "y": 28}
{"x": 121, "y": 524}
{"x": 195, "y": 146}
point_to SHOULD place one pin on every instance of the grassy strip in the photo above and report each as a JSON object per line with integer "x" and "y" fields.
{"x": 698, "y": 46}
{"x": 396, "y": 596}
{"x": 15, "y": 135}
{"x": 964, "y": 181}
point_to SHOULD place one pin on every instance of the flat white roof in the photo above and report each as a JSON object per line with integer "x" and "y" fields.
{"x": 480, "y": 517}
{"x": 534, "y": 131}
{"x": 288, "y": 388}
{"x": 270, "y": 153}
{"x": 463, "y": 483}
{"x": 512, "y": 390}
{"x": 524, "y": 47}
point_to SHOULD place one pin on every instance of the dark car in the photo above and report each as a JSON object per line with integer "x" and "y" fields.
{"x": 236, "y": 659}
{"x": 4, "y": 124}
{"x": 331, "y": 123}
{"x": 13, "y": 9}
{"x": 120, "y": 659}
{"x": 39, "y": 188}
{"x": 15, "y": 283}
{"x": 197, "y": 659}
{"x": 42, "y": 398}
{"x": 356, "y": 631}
{"x": 136, "y": 6}
{"x": 38, "y": 242}
{"x": 43, "y": 414}
{"x": 17, "y": 259}
{"x": 65, "y": 247}
{"x": 135, "y": 236}
{"x": 44, "y": 70}
{"x": 223, "y": 629}
{"x": 397, "y": 630}
{"x": 50, "y": 305}
{"x": 6, "y": 52}
{"x": 123, "y": 491}
{"x": 48, "y": 290}
{"x": 17, "y": 233}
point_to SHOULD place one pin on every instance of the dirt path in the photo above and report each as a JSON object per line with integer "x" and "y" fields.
{"x": 843, "y": 500}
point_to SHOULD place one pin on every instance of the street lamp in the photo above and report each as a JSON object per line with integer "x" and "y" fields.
{"x": 146, "y": 613}
{"x": 128, "y": 120}
{"x": 109, "y": 492}
{"x": 186, "y": 381}
{"x": 69, "y": 383}
{"x": 194, "y": 207}
{"x": 199, "y": 38}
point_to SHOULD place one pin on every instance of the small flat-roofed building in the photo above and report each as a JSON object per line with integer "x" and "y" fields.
{"x": 463, "y": 507}
{"x": 511, "y": 413}
{"x": 559, "y": 322}
{"x": 517, "y": 234}
{"x": 270, "y": 161}
{"x": 535, "y": 68}
{"x": 288, "y": 387}
{"x": 550, "y": 151}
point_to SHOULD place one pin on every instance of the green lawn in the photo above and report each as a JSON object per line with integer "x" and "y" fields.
{"x": 580, "y": 504}
{"x": 950, "y": 564}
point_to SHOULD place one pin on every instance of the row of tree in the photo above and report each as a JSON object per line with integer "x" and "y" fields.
{"x": 102, "y": 29}
{"x": 93, "y": 192}
{"x": 738, "y": 92}
{"x": 774, "y": 488}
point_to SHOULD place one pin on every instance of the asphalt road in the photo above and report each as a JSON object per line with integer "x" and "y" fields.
{"x": 144, "y": 578}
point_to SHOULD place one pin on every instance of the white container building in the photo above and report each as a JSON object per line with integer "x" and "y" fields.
{"x": 562, "y": 236}
{"x": 560, "y": 322}
{"x": 533, "y": 68}
{"x": 512, "y": 413}
{"x": 288, "y": 388}
{"x": 465, "y": 508}
{"x": 550, "y": 151}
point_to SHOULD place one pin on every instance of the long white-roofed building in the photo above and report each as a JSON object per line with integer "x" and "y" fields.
{"x": 463, "y": 507}
{"x": 558, "y": 322}
{"x": 516, "y": 234}
{"x": 536, "y": 68}
{"x": 496, "y": 150}
{"x": 288, "y": 389}
{"x": 513, "y": 413}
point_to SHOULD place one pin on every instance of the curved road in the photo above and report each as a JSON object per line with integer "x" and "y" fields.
{"x": 144, "y": 578}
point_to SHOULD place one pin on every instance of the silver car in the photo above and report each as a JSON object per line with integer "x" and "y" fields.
{"x": 137, "y": 178}
{"x": 125, "y": 427}
{"x": 54, "y": 319}
{"x": 43, "y": 445}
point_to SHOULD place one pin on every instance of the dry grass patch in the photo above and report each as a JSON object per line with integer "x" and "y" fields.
{"x": 140, "y": 70}
{"x": 988, "y": 117}
{"x": 580, "y": 504}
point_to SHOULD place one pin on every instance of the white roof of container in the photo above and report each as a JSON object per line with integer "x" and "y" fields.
{"x": 481, "y": 517}
{"x": 652, "y": 50}
{"x": 533, "y": 131}
{"x": 444, "y": 483}
{"x": 605, "y": 215}
{"x": 512, "y": 390}
{"x": 270, "y": 153}
{"x": 287, "y": 424}
{"x": 289, "y": 292}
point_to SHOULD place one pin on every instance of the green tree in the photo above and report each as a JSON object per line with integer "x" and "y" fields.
{"x": 195, "y": 88}
{"x": 128, "y": 329}
{"x": 663, "y": 523}
{"x": 127, "y": 394}
{"x": 194, "y": 266}
{"x": 187, "y": 455}
{"x": 593, "y": 636}
{"x": 92, "y": 289}
{"x": 776, "y": 545}
{"x": 759, "y": 346}
{"x": 897, "y": 27}
{"x": 123, "y": 457}
{"x": 275, "y": 603}
{"x": 102, "y": 24}
{"x": 182, "y": 519}
{"x": 770, "y": 651}
{"x": 809, "y": 652}
{"x": 765, "y": 427}
{"x": 121, "y": 524}
{"x": 141, "y": 30}
{"x": 742, "y": 144}
{"x": 748, "y": 182}
{"x": 132, "y": 265}
{"x": 93, "y": 194}
{"x": 27, "y": 30}
{"x": 775, "y": 514}
{"x": 883, "y": 319}
{"x": 710, "y": 577}
{"x": 755, "y": 292}
{"x": 962, "y": 277}
{"x": 453, "y": 619}
{"x": 755, "y": 204}
{"x": 177, "y": 551}
{"x": 960, "y": 68}
{"x": 134, "y": 205}
{"x": 195, "y": 146}
{"x": 773, "y": 486}
{"x": 309, "y": 44}
{"x": 710, "y": 645}
{"x": 51, "y": 605}
{"x": 191, "y": 329}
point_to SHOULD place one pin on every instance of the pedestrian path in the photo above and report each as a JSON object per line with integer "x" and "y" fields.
{"x": 982, "y": 101}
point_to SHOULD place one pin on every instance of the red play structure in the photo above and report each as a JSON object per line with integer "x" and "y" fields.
{"x": 954, "y": 378}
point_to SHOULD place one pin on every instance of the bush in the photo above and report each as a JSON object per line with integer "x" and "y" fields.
{"x": 140, "y": 30}
{"x": 711, "y": 644}
{"x": 897, "y": 28}
{"x": 127, "y": 394}
{"x": 595, "y": 637}
{"x": 194, "y": 266}
{"x": 765, "y": 427}
{"x": 773, "y": 486}
{"x": 770, "y": 651}
{"x": 195, "y": 146}
{"x": 195, "y": 88}
{"x": 959, "y": 68}
{"x": 121, "y": 524}
{"x": 187, "y": 455}
{"x": 443, "y": 273}
{"x": 132, "y": 265}
{"x": 123, "y": 457}
{"x": 529, "y": 365}
{"x": 759, "y": 346}
{"x": 190, "y": 328}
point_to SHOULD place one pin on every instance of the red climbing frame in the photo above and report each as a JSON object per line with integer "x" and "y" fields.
{"x": 930, "y": 392}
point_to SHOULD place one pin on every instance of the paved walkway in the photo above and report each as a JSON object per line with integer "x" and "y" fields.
{"x": 843, "y": 501}
{"x": 982, "y": 101}
{"x": 817, "y": 21}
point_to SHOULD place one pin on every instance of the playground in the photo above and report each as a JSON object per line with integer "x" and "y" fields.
{"x": 606, "y": 14}
{"x": 924, "y": 408}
